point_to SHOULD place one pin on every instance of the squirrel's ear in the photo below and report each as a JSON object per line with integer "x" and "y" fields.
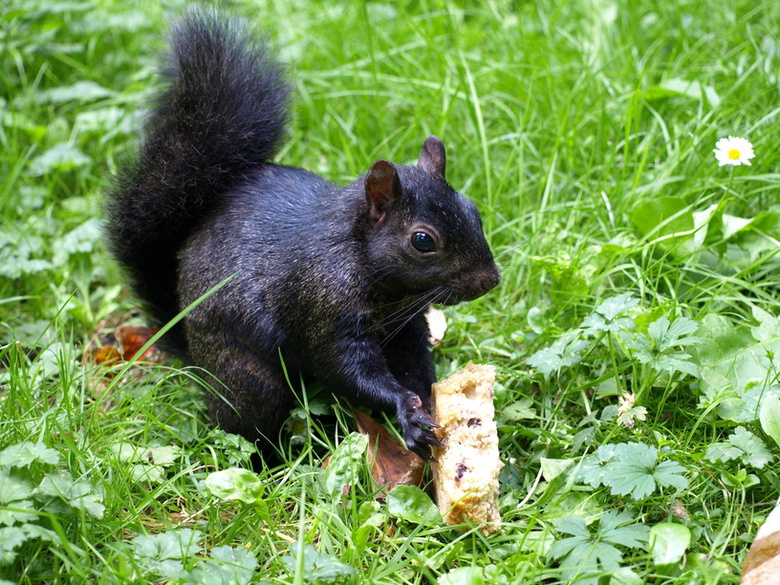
{"x": 432, "y": 157}
{"x": 382, "y": 188}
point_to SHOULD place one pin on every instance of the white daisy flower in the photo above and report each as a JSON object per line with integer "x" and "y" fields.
{"x": 733, "y": 151}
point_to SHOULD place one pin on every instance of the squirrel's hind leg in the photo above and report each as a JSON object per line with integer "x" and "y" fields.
{"x": 250, "y": 395}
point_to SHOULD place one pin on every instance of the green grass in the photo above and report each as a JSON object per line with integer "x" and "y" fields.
{"x": 584, "y": 131}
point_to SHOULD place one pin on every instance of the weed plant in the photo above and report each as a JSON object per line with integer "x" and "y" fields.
{"x": 636, "y": 331}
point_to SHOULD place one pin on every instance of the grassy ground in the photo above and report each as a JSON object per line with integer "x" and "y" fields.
{"x": 636, "y": 331}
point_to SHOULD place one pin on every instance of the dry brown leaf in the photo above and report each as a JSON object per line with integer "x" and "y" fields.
{"x": 392, "y": 464}
{"x": 106, "y": 356}
{"x": 122, "y": 345}
{"x": 762, "y": 565}
{"x": 112, "y": 346}
{"x": 132, "y": 339}
{"x": 679, "y": 511}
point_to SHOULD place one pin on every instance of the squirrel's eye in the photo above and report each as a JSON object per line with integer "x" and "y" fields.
{"x": 423, "y": 242}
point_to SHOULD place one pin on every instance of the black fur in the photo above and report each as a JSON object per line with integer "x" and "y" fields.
{"x": 336, "y": 280}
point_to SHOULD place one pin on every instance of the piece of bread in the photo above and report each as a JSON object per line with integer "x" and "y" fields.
{"x": 466, "y": 466}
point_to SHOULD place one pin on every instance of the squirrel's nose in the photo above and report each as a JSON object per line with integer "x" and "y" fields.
{"x": 490, "y": 279}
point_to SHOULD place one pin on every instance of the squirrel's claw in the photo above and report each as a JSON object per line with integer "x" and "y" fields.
{"x": 420, "y": 442}
{"x": 417, "y": 424}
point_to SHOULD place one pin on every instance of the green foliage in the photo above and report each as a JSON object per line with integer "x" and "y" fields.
{"x": 410, "y": 503}
{"x": 742, "y": 445}
{"x": 29, "y": 493}
{"x": 345, "y": 463}
{"x": 227, "y": 565}
{"x": 165, "y": 556}
{"x": 162, "y": 554}
{"x": 236, "y": 483}
{"x": 668, "y": 542}
{"x": 565, "y": 352}
{"x": 658, "y": 347}
{"x": 630, "y": 468}
{"x": 606, "y": 316}
{"x": 147, "y": 463}
{"x": 769, "y": 415}
{"x": 317, "y": 567}
{"x": 463, "y": 576}
{"x": 585, "y": 555}
{"x": 739, "y": 364}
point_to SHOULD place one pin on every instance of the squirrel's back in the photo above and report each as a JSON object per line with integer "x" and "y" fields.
{"x": 222, "y": 114}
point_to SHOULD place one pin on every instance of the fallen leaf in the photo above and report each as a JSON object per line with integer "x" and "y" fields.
{"x": 392, "y": 464}
{"x": 679, "y": 511}
{"x": 106, "y": 356}
{"x": 762, "y": 565}
{"x": 132, "y": 339}
{"x": 113, "y": 345}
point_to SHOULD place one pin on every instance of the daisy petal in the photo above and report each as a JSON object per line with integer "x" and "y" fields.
{"x": 733, "y": 151}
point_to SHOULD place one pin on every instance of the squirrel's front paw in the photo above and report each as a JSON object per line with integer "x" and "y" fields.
{"x": 417, "y": 426}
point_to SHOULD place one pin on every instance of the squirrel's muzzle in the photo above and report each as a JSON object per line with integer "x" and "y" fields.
{"x": 489, "y": 279}
{"x": 473, "y": 285}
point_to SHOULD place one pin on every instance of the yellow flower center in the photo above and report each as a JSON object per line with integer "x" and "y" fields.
{"x": 734, "y": 154}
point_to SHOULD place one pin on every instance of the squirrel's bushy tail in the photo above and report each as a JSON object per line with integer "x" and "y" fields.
{"x": 222, "y": 114}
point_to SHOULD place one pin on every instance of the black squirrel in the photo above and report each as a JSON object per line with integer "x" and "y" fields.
{"x": 334, "y": 280}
